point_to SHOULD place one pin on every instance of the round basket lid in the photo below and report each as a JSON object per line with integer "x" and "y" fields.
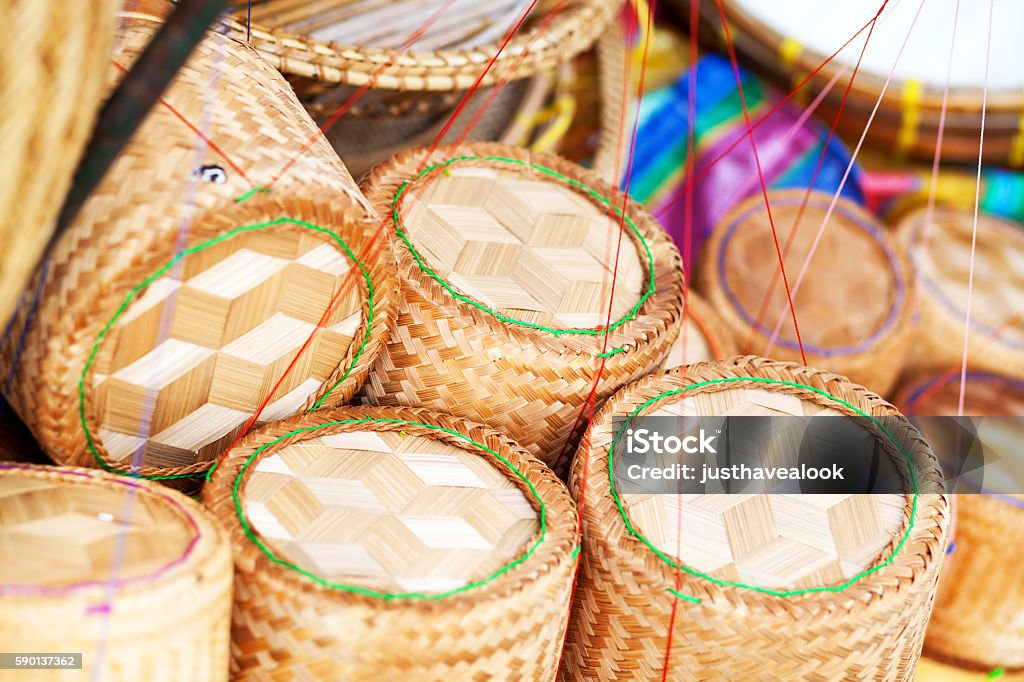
{"x": 853, "y": 267}
{"x": 61, "y": 528}
{"x": 388, "y": 511}
{"x": 182, "y": 369}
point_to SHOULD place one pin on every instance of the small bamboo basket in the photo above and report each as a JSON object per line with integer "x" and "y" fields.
{"x": 756, "y": 586}
{"x": 941, "y": 257}
{"x": 506, "y": 259}
{"x": 703, "y": 336}
{"x": 187, "y": 287}
{"x": 976, "y": 622}
{"x": 135, "y": 577}
{"x": 52, "y": 63}
{"x": 385, "y": 544}
{"x": 856, "y": 268}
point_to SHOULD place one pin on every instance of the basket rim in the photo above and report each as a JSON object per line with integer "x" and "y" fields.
{"x": 574, "y": 29}
{"x": 634, "y": 556}
{"x": 548, "y": 548}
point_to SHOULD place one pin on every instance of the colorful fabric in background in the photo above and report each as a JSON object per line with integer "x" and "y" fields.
{"x": 789, "y": 144}
{"x": 892, "y": 193}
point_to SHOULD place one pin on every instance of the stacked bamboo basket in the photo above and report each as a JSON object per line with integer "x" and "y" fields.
{"x": 384, "y": 543}
{"x": 187, "y": 285}
{"x": 904, "y": 79}
{"x": 702, "y": 336}
{"x": 977, "y": 619}
{"x": 853, "y": 259}
{"x": 506, "y": 261}
{"x": 53, "y": 52}
{"x": 135, "y": 577}
{"x": 752, "y": 587}
{"x": 399, "y": 82}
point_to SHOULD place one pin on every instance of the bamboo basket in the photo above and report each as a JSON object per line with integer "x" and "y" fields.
{"x": 941, "y": 257}
{"x": 187, "y": 286}
{"x": 907, "y": 120}
{"x": 53, "y": 59}
{"x": 745, "y": 602}
{"x": 856, "y": 268}
{"x": 135, "y": 577}
{"x": 504, "y": 258}
{"x": 703, "y": 336}
{"x": 385, "y": 544}
{"x": 977, "y": 621}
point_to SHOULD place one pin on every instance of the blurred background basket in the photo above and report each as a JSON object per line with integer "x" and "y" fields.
{"x": 385, "y": 544}
{"x": 134, "y": 576}
{"x": 703, "y": 335}
{"x": 506, "y": 260}
{"x": 738, "y": 586}
{"x": 187, "y": 285}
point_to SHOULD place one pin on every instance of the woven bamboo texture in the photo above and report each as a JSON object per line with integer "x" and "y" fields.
{"x": 541, "y": 256}
{"x": 134, "y": 576}
{"x": 180, "y": 295}
{"x": 447, "y": 491}
{"x": 623, "y": 609}
{"x": 941, "y": 256}
{"x": 907, "y": 119}
{"x": 856, "y": 268}
{"x": 544, "y": 43}
{"x": 703, "y": 336}
{"x": 51, "y": 80}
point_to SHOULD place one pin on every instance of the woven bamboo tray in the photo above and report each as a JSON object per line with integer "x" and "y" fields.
{"x": 941, "y": 257}
{"x": 907, "y": 120}
{"x": 856, "y": 269}
{"x": 134, "y": 576}
{"x": 703, "y": 336}
{"x": 977, "y": 622}
{"x": 505, "y": 259}
{"x": 52, "y": 63}
{"x": 769, "y": 587}
{"x": 185, "y": 288}
{"x": 386, "y": 544}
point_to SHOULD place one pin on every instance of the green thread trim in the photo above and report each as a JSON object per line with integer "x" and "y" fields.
{"x": 388, "y": 596}
{"x": 576, "y": 552}
{"x": 254, "y": 190}
{"x": 685, "y": 597}
{"x": 729, "y": 583}
{"x": 629, "y": 316}
{"x": 998, "y": 672}
{"x": 133, "y": 294}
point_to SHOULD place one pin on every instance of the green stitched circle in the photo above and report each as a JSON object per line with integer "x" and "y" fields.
{"x": 134, "y": 293}
{"x": 376, "y": 594}
{"x": 692, "y": 571}
{"x": 630, "y": 314}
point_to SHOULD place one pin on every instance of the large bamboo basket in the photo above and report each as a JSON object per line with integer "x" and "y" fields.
{"x": 768, "y": 587}
{"x": 387, "y": 544}
{"x": 505, "y": 259}
{"x": 977, "y": 618}
{"x": 703, "y": 336}
{"x": 856, "y": 269}
{"x": 52, "y": 63}
{"x": 941, "y": 257}
{"x": 186, "y": 287}
{"x": 907, "y": 120}
{"x": 135, "y": 577}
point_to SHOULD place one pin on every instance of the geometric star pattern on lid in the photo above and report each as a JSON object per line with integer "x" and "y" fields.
{"x": 387, "y": 511}
{"x": 529, "y": 248}
{"x": 192, "y": 359}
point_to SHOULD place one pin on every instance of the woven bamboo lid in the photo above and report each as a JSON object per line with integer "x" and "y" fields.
{"x": 703, "y": 335}
{"x": 767, "y": 584}
{"x": 344, "y": 41}
{"x": 409, "y": 527}
{"x": 196, "y": 276}
{"x": 854, "y": 268}
{"x": 941, "y": 256}
{"x": 87, "y": 556}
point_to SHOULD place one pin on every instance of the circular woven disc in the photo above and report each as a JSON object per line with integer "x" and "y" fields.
{"x": 523, "y": 245}
{"x": 58, "y": 533}
{"x": 388, "y": 511}
{"x": 231, "y": 318}
{"x": 852, "y": 269}
{"x": 776, "y": 541}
